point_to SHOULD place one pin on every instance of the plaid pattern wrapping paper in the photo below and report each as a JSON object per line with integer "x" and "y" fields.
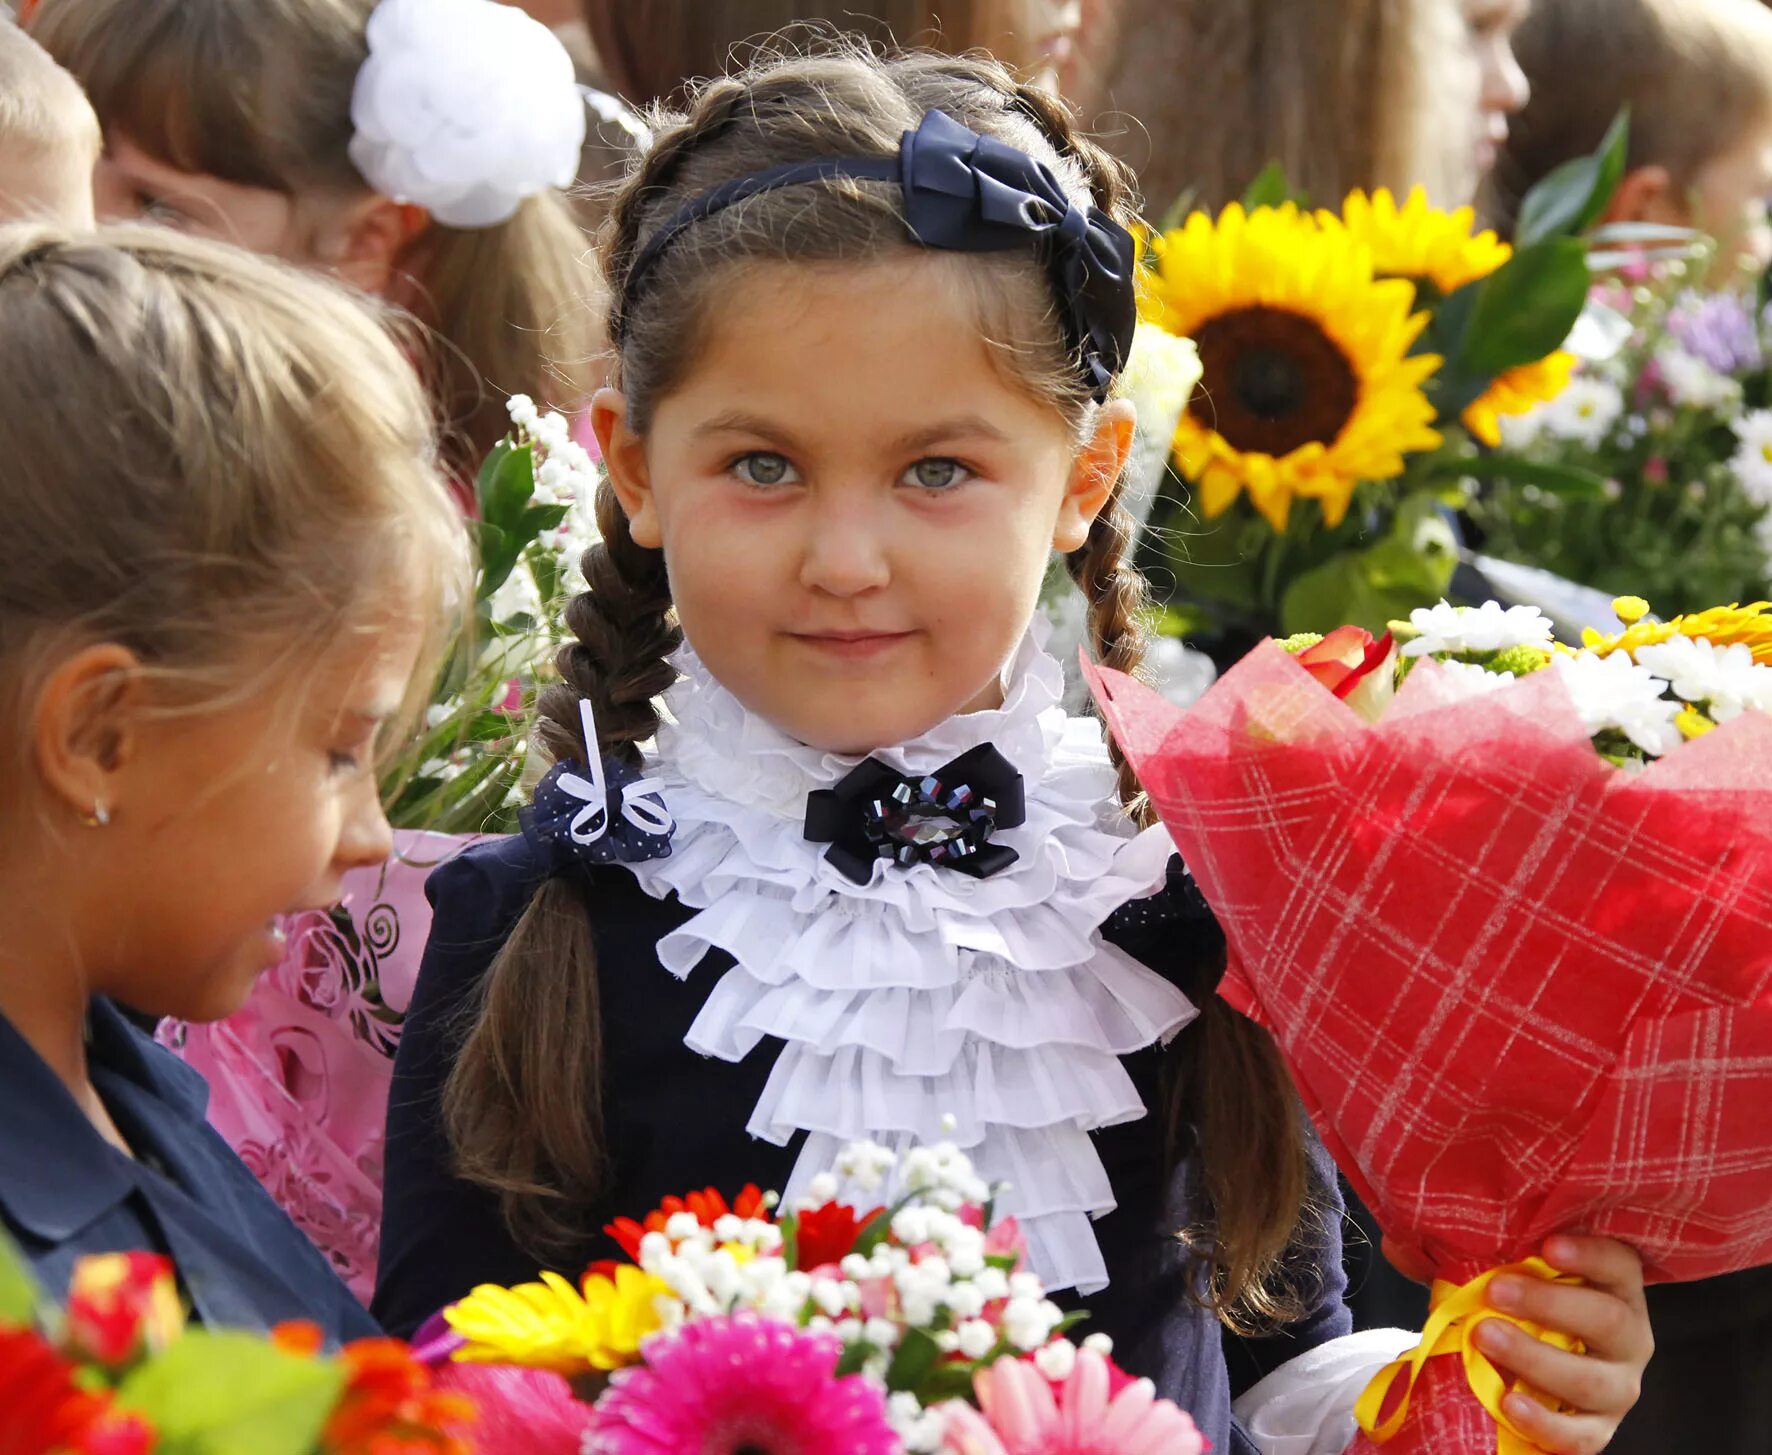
{"x": 1521, "y": 991}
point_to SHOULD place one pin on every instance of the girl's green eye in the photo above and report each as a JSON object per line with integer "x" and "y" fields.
{"x": 763, "y": 468}
{"x": 935, "y": 474}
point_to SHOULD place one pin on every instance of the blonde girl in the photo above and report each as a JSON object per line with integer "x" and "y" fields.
{"x": 414, "y": 148}
{"x": 229, "y": 551}
{"x": 870, "y": 314}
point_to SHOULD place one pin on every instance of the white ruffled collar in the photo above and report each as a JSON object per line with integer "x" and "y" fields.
{"x": 924, "y": 1004}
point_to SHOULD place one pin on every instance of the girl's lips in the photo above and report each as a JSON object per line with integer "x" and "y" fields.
{"x": 852, "y": 645}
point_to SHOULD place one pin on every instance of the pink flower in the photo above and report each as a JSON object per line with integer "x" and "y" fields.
{"x": 1025, "y": 1414}
{"x": 740, "y": 1382}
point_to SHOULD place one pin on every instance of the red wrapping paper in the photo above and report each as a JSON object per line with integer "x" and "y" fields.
{"x": 1521, "y": 991}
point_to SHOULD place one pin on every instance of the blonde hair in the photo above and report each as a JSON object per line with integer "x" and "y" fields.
{"x": 1206, "y": 93}
{"x": 43, "y": 112}
{"x": 522, "y": 1101}
{"x": 1696, "y": 74}
{"x": 212, "y": 460}
{"x": 260, "y": 94}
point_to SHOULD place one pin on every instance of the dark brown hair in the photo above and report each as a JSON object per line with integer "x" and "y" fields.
{"x": 260, "y": 95}
{"x": 1696, "y": 74}
{"x": 521, "y": 1101}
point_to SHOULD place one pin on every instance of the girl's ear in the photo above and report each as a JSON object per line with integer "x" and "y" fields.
{"x": 624, "y": 457}
{"x": 1095, "y": 472}
{"x": 1647, "y": 194}
{"x": 82, "y": 729}
{"x": 368, "y": 242}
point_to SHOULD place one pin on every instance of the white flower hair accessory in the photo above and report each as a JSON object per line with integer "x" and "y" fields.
{"x": 466, "y": 108}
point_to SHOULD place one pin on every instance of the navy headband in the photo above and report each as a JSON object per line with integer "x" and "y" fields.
{"x": 970, "y": 194}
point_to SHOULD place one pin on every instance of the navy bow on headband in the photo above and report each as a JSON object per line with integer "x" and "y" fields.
{"x": 971, "y": 194}
{"x": 597, "y": 812}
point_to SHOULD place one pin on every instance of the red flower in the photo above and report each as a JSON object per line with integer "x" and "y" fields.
{"x": 42, "y": 1409}
{"x": 390, "y": 1404}
{"x": 1345, "y": 658}
{"x": 826, "y": 1234}
{"x": 708, "y": 1206}
{"x": 121, "y": 1306}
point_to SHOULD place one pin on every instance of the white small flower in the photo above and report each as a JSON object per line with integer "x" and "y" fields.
{"x": 1028, "y": 1323}
{"x": 1486, "y": 628}
{"x": 729, "y": 1228}
{"x": 654, "y": 1249}
{"x": 1056, "y": 1360}
{"x": 1752, "y": 461}
{"x": 910, "y": 1225}
{"x": 1469, "y": 680}
{"x": 516, "y": 596}
{"x": 833, "y": 1297}
{"x": 1585, "y": 411}
{"x": 1692, "y": 383}
{"x": 679, "y": 1226}
{"x": 977, "y": 1338}
{"x": 822, "y": 1189}
{"x": 1615, "y": 694}
{"x": 522, "y": 410}
{"x": 992, "y": 1283}
{"x": 1725, "y": 679}
{"x": 1102, "y": 1344}
{"x": 881, "y": 1333}
{"x": 855, "y": 1267}
{"x": 1026, "y": 1285}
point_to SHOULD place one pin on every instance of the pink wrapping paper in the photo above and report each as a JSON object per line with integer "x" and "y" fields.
{"x": 298, "y": 1076}
{"x": 1520, "y": 991}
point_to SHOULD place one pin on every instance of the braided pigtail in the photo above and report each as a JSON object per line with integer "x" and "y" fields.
{"x": 524, "y": 1100}
{"x": 1231, "y": 1097}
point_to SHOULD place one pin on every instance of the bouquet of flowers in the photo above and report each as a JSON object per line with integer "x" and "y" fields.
{"x": 299, "y": 1076}
{"x": 1510, "y": 922}
{"x": 831, "y": 1325}
{"x": 1353, "y": 363}
{"x": 1679, "y": 422}
{"x": 117, "y": 1372}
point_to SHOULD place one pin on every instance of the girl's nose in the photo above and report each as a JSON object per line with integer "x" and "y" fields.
{"x": 366, "y": 839}
{"x": 845, "y": 552}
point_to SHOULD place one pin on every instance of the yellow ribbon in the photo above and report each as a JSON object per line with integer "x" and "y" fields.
{"x": 1454, "y": 1311}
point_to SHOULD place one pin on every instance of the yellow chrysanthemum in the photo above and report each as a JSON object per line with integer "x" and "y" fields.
{"x": 1516, "y": 392}
{"x": 552, "y": 1325}
{"x": 1418, "y": 241}
{"x": 1721, "y": 626}
{"x": 1308, "y": 385}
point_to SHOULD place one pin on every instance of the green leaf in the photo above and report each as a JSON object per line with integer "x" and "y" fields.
{"x": 510, "y": 487}
{"x": 1271, "y": 188}
{"x": 1178, "y": 211}
{"x": 489, "y": 468}
{"x": 913, "y": 1361}
{"x": 1412, "y": 566}
{"x": 1573, "y": 196}
{"x": 878, "y": 1226}
{"x": 224, "y": 1393}
{"x": 1525, "y": 308}
{"x": 499, "y": 550}
{"x": 20, "y": 1297}
{"x": 853, "y": 1357}
{"x": 1575, "y": 482}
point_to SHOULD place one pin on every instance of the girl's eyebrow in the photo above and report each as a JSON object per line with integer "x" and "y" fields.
{"x": 961, "y": 427}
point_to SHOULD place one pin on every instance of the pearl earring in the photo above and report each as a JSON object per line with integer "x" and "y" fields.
{"x": 99, "y": 818}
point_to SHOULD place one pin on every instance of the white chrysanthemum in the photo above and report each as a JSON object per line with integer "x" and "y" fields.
{"x": 1615, "y": 694}
{"x": 1752, "y": 461}
{"x": 1468, "y": 680}
{"x": 1585, "y": 411}
{"x": 1486, "y": 628}
{"x": 1692, "y": 383}
{"x": 1519, "y": 432}
{"x": 1725, "y": 679}
{"x": 465, "y": 107}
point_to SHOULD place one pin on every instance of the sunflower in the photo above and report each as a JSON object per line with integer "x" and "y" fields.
{"x": 1721, "y": 626}
{"x": 1308, "y": 385}
{"x": 1443, "y": 251}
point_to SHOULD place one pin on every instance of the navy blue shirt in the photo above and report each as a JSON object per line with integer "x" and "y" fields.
{"x": 675, "y": 1121}
{"x": 66, "y": 1192}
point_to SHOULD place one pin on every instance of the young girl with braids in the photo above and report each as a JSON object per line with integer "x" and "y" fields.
{"x": 869, "y": 317}
{"x": 414, "y": 148}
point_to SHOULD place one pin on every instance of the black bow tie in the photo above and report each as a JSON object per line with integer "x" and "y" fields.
{"x": 946, "y": 818}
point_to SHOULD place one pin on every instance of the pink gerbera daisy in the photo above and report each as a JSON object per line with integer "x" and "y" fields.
{"x": 741, "y": 1385}
{"x": 1024, "y": 1413}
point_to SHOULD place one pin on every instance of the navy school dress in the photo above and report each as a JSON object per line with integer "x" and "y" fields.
{"x": 66, "y": 1192}
{"x": 676, "y": 1122}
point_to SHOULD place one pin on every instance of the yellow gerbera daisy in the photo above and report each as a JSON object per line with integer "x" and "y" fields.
{"x": 1721, "y": 626}
{"x": 1308, "y": 385}
{"x": 552, "y": 1325}
{"x": 1418, "y": 241}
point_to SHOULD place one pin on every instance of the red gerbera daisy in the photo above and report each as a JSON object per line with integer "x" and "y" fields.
{"x": 708, "y": 1206}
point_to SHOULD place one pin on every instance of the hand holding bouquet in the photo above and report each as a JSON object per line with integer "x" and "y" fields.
{"x": 1512, "y": 929}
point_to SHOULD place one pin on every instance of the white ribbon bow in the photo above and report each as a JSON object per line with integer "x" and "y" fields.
{"x": 642, "y": 802}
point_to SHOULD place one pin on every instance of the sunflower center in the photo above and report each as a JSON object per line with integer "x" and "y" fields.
{"x": 1272, "y": 381}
